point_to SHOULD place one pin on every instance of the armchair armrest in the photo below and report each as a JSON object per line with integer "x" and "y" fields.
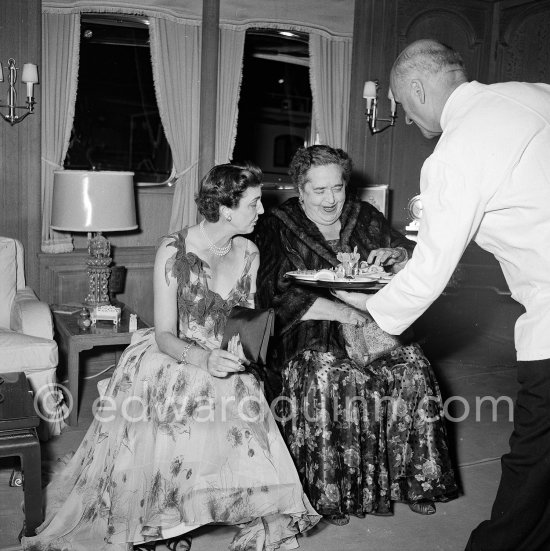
{"x": 31, "y": 316}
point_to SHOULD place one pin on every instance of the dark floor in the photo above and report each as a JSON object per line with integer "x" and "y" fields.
{"x": 470, "y": 345}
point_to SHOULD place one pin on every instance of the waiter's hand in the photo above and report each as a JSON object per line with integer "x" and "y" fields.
{"x": 357, "y": 300}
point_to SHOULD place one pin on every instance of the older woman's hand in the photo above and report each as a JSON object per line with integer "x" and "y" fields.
{"x": 388, "y": 256}
{"x": 346, "y": 314}
{"x": 329, "y": 310}
{"x": 357, "y": 300}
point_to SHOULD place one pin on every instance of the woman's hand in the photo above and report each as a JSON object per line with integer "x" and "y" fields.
{"x": 236, "y": 348}
{"x": 388, "y": 256}
{"x": 346, "y": 314}
{"x": 221, "y": 363}
{"x": 328, "y": 310}
{"x": 357, "y": 300}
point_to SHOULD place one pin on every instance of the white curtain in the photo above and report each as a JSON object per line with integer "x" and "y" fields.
{"x": 176, "y": 56}
{"x": 330, "y": 74}
{"x": 230, "y": 67}
{"x": 59, "y": 76}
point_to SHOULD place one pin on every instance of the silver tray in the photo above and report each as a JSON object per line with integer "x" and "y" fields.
{"x": 340, "y": 284}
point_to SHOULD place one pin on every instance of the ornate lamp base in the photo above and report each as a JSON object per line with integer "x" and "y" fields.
{"x": 98, "y": 263}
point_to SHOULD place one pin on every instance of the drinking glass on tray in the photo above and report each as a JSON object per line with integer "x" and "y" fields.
{"x": 349, "y": 262}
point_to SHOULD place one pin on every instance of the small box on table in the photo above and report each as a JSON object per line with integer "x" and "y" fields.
{"x": 107, "y": 313}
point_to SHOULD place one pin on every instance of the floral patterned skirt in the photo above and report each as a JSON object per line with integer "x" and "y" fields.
{"x": 172, "y": 448}
{"x": 362, "y": 437}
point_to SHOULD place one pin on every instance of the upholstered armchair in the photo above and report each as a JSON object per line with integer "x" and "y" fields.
{"x": 26, "y": 338}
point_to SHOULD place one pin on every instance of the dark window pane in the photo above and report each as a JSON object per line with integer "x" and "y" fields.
{"x": 275, "y": 101}
{"x": 285, "y": 147}
{"x": 117, "y": 125}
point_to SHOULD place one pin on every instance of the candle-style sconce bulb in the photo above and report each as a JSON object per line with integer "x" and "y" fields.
{"x": 369, "y": 90}
{"x": 370, "y": 93}
{"x": 393, "y": 105}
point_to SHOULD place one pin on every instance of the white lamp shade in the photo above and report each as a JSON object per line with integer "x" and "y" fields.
{"x": 93, "y": 201}
{"x": 369, "y": 90}
{"x": 30, "y": 73}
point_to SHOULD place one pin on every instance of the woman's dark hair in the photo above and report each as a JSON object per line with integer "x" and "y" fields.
{"x": 318, "y": 155}
{"x": 225, "y": 185}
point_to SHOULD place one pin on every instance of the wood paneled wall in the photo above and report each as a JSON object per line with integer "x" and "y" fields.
{"x": 20, "y": 38}
{"x": 395, "y": 157}
{"x": 523, "y": 50}
{"x": 506, "y": 40}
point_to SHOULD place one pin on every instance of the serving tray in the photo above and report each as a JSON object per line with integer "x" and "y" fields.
{"x": 311, "y": 279}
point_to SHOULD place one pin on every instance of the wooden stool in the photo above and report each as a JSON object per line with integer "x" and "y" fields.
{"x": 18, "y": 422}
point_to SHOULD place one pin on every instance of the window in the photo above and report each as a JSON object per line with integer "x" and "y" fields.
{"x": 284, "y": 148}
{"x": 117, "y": 124}
{"x": 275, "y": 107}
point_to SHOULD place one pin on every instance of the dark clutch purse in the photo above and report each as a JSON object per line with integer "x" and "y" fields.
{"x": 254, "y": 327}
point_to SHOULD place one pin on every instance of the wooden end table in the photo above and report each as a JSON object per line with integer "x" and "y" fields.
{"x": 73, "y": 340}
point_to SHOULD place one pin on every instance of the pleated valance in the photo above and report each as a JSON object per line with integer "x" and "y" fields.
{"x": 325, "y": 17}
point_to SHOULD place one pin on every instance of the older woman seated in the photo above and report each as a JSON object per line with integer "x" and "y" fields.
{"x": 362, "y": 433}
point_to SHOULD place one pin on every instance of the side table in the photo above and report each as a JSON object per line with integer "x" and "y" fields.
{"x": 18, "y": 422}
{"x": 72, "y": 340}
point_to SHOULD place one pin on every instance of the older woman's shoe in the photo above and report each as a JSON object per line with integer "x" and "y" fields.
{"x": 337, "y": 520}
{"x": 424, "y": 507}
{"x": 383, "y": 513}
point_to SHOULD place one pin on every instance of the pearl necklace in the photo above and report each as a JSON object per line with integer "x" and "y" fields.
{"x": 218, "y": 251}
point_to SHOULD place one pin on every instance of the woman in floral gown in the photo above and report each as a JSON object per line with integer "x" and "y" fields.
{"x": 362, "y": 433}
{"x": 183, "y": 436}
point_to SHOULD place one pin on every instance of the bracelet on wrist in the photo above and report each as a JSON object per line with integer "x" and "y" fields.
{"x": 183, "y": 356}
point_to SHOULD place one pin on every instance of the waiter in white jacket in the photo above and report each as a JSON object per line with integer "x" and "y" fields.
{"x": 488, "y": 179}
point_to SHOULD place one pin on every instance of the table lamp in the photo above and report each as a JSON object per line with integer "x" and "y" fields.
{"x": 94, "y": 202}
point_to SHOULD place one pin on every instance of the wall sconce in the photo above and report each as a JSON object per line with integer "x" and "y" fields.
{"x": 370, "y": 93}
{"x": 30, "y": 77}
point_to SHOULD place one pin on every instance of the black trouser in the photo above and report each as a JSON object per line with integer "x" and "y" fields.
{"x": 520, "y": 518}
